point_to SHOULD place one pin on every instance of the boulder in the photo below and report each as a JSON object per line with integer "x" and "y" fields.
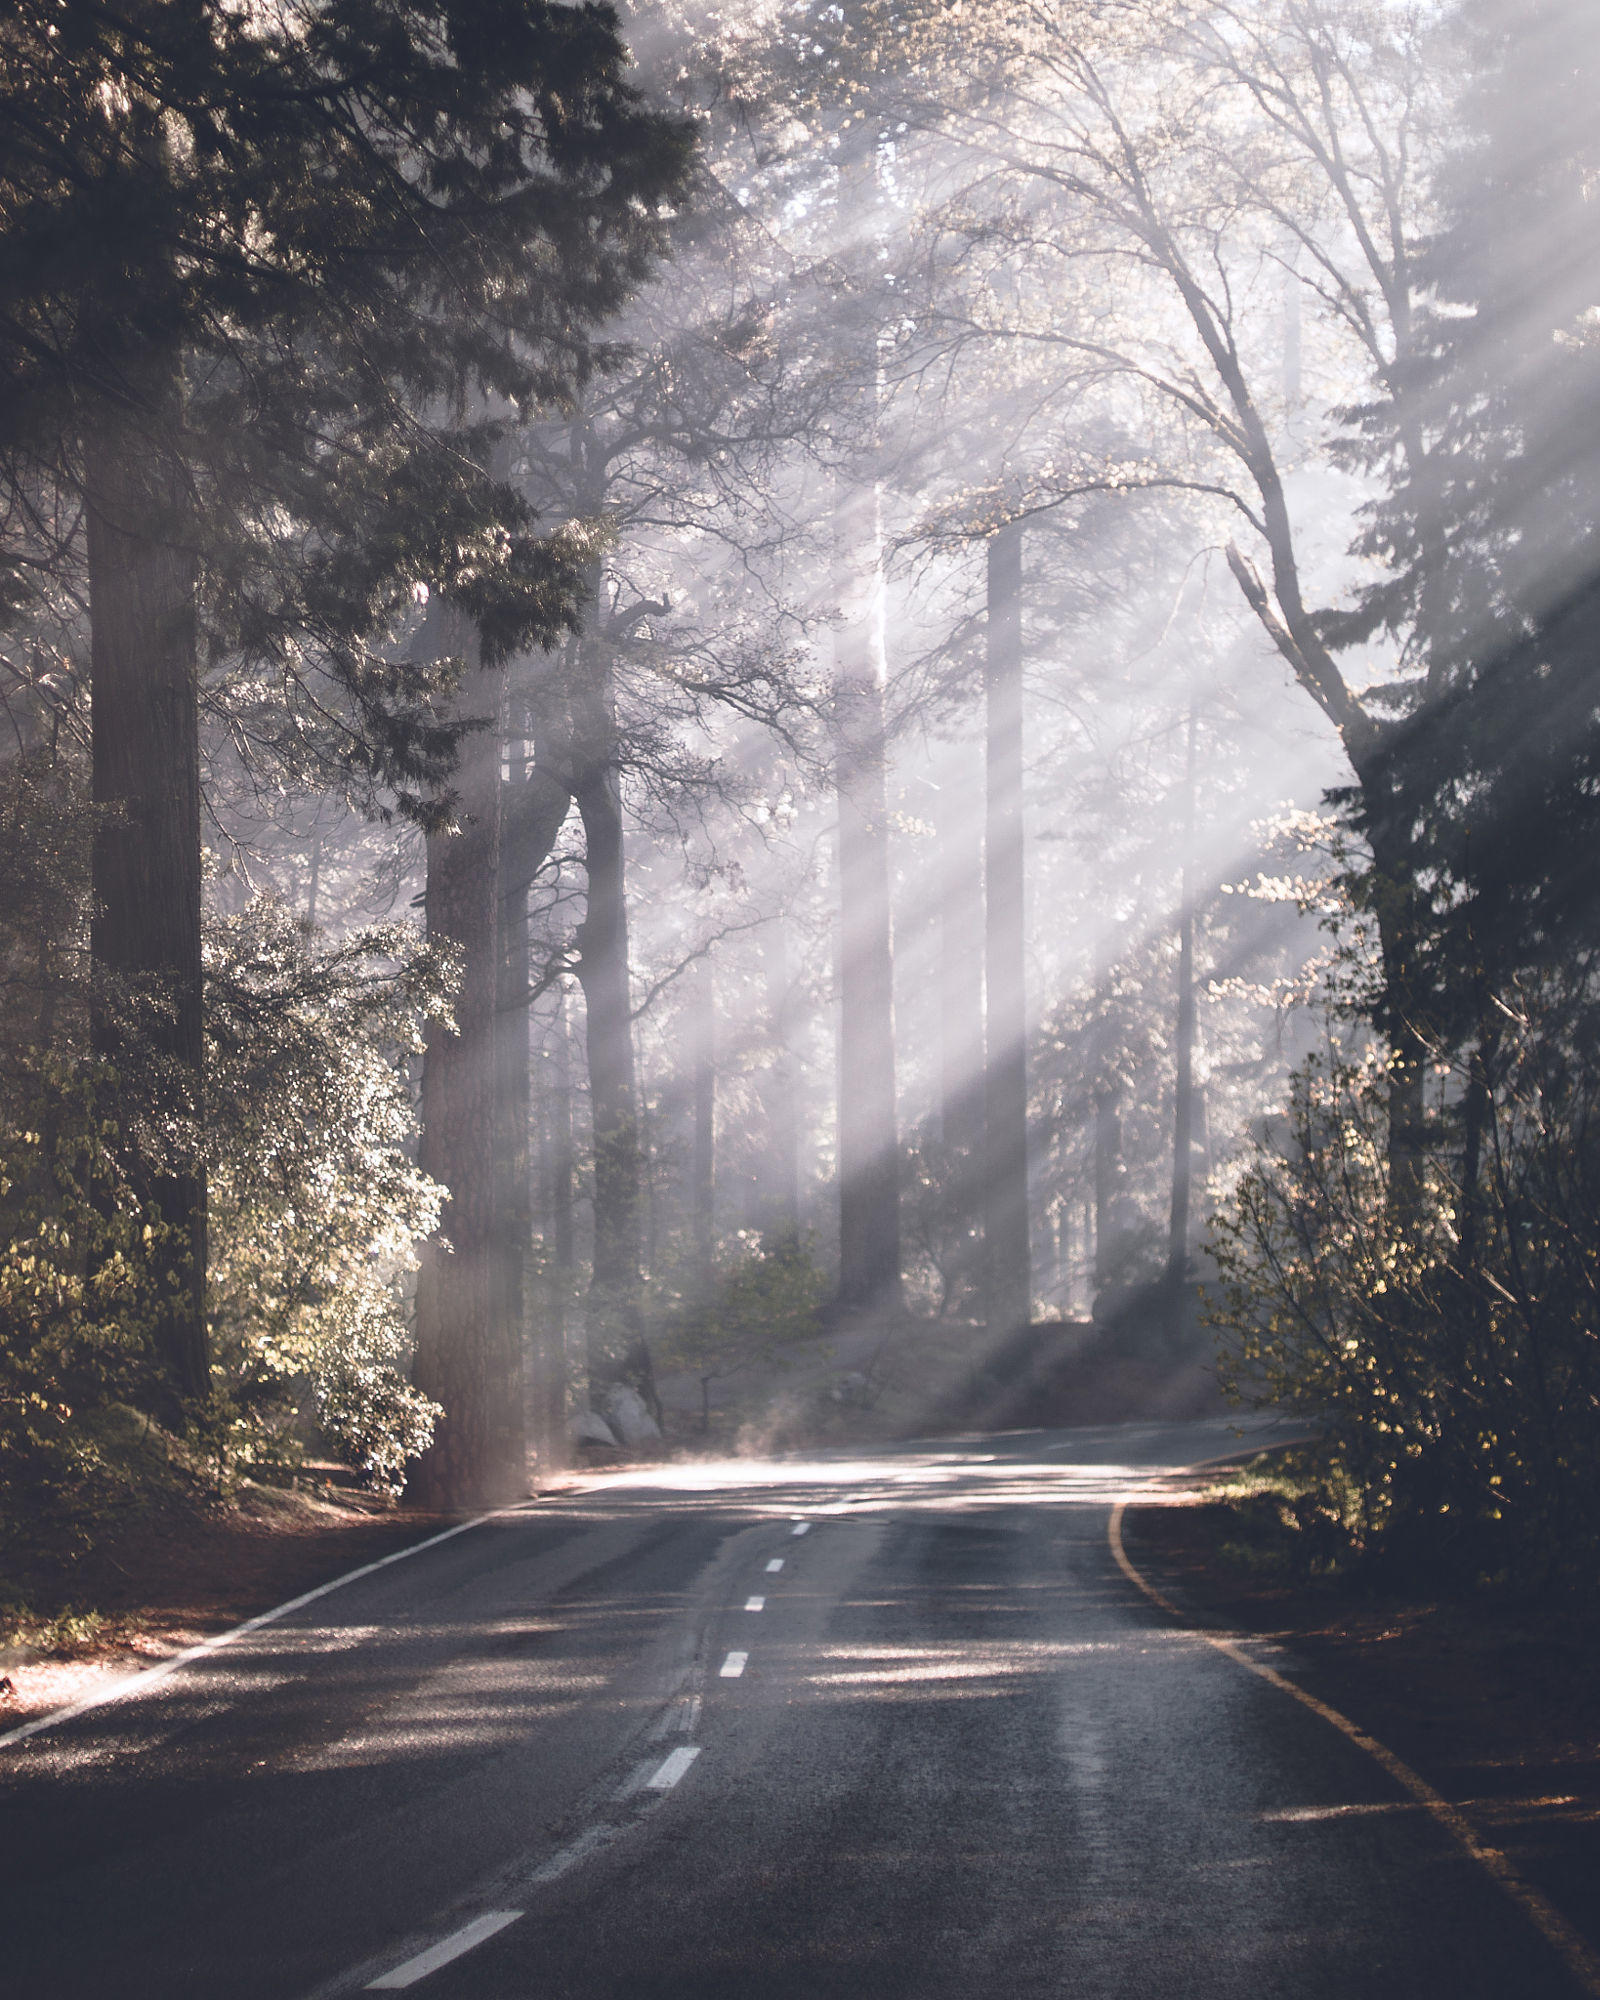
{"x": 587, "y": 1427}
{"x": 629, "y": 1416}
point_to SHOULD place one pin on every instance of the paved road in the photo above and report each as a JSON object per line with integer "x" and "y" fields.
{"x": 881, "y": 1729}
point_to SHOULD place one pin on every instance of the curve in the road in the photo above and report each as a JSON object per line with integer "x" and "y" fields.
{"x": 1581, "y": 1959}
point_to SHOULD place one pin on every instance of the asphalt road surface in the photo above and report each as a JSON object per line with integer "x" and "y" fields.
{"x": 887, "y": 1728}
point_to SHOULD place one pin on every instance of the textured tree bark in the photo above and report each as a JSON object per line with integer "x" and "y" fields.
{"x": 869, "y": 1168}
{"x": 617, "y": 1345}
{"x": 533, "y": 807}
{"x": 145, "y": 930}
{"x": 1007, "y": 1256}
{"x": 466, "y": 1351}
{"x": 513, "y": 1103}
{"x": 555, "y": 1217}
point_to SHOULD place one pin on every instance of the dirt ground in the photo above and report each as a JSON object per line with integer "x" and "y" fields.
{"x": 173, "y": 1579}
{"x": 1496, "y": 1705}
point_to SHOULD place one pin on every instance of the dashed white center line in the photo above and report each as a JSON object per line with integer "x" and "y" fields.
{"x": 733, "y": 1666}
{"x": 636, "y": 1779}
{"x": 479, "y": 1931}
{"x": 775, "y": 1565}
{"x": 674, "y": 1767}
{"x": 588, "y": 1842}
{"x": 755, "y": 1604}
{"x": 801, "y": 1528}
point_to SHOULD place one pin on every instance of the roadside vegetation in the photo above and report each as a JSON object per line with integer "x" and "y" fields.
{"x": 703, "y": 709}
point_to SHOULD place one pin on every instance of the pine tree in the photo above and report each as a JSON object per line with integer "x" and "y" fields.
{"x": 255, "y": 266}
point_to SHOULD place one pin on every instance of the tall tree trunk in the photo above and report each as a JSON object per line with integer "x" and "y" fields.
{"x": 1403, "y": 1015}
{"x": 703, "y": 1177}
{"x": 869, "y": 1175}
{"x": 617, "y": 1346}
{"x": 466, "y": 1357}
{"x": 1008, "y": 1286}
{"x": 1183, "y": 1107}
{"x": 514, "y": 1083}
{"x": 783, "y": 1124}
{"x": 961, "y": 956}
{"x": 555, "y": 1205}
{"x": 534, "y": 803}
{"x": 145, "y": 930}
{"x": 1109, "y": 1174}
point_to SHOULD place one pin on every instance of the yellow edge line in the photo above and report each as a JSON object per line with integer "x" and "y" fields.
{"x": 1581, "y": 1958}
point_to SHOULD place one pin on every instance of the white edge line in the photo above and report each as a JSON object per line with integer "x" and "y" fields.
{"x": 1569, "y": 1943}
{"x": 149, "y": 1677}
{"x": 468, "y": 1938}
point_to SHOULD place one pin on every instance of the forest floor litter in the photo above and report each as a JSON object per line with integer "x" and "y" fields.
{"x": 1496, "y": 1703}
{"x": 176, "y": 1576}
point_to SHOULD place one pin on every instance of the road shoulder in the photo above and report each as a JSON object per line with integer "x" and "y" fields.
{"x": 1497, "y": 1707}
{"x": 177, "y": 1577}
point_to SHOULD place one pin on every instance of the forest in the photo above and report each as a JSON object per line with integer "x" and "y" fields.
{"x": 710, "y": 709}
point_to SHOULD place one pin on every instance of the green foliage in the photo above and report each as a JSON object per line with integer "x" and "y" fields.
{"x": 75, "y": 1313}
{"x": 316, "y": 1204}
{"x": 1445, "y": 1346}
{"x": 764, "y": 1302}
{"x": 349, "y": 228}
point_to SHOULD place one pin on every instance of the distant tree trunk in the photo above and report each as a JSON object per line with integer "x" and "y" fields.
{"x": 466, "y": 1358}
{"x": 316, "y": 879}
{"x": 869, "y": 1169}
{"x": 555, "y": 1205}
{"x": 704, "y": 1166}
{"x": 145, "y": 930}
{"x": 533, "y": 806}
{"x": 783, "y": 1124}
{"x": 617, "y": 1345}
{"x": 1183, "y": 1107}
{"x": 1108, "y": 1178}
{"x": 1008, "y": 1287}
{"x": 513, "y": 1105}
{"x": 961, "y": 956}
{"x": 961, "y": 1080}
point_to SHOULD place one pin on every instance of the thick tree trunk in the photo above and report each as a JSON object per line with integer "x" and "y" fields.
{"x": 869, "y": 1175}
{"x": 514, "y": 1091}
{"x": 533, "y": 807}
{"x": 554, "y": 1104}
{"x": 1008, "y": 1283}
{"x": 703, "y": 1175}
{"x": 145, "y": 932}
{"x": 466, "y": 1354}
{"x": 617, "y": 1346}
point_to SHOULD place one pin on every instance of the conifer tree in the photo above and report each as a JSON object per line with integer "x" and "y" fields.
{"x": 255, "y": 264}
